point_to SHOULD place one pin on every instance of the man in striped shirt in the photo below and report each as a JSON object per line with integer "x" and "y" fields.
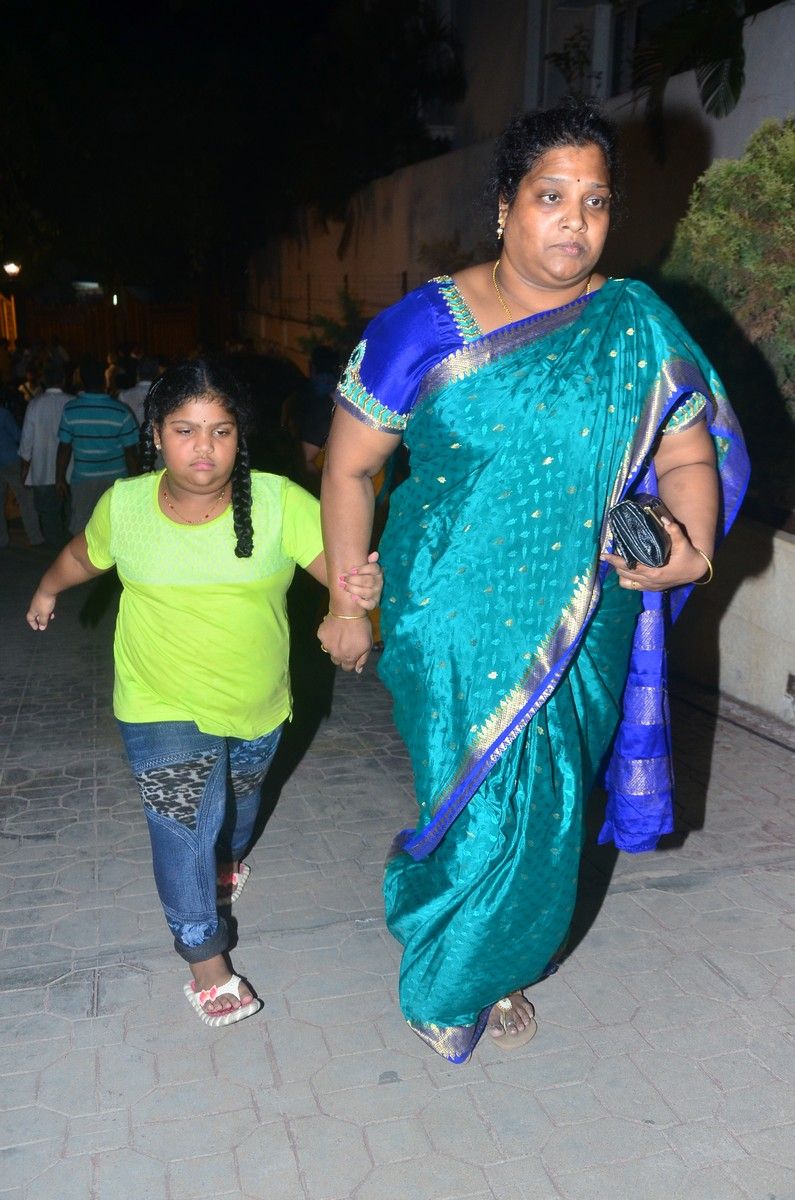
{"x": 102, "y": 434}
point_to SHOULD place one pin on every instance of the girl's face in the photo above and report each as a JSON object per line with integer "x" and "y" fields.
{"x": 557, "y": 224}
{"x": 199, "y": 444}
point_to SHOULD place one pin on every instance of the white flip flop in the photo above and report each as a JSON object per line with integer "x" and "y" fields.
{"x": 197, "y": 1000}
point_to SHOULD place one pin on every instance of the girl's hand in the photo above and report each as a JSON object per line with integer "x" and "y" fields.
{"x": 685, "y": 565}
{"x": 41, "y": 610}
{"x": 348, "y": 643}
{"x": 364, "y": 584}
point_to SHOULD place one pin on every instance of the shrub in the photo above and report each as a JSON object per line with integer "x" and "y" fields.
{"x": 731, "y": 276}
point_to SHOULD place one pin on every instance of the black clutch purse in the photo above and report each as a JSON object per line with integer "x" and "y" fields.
{"x": 639, "y": 535}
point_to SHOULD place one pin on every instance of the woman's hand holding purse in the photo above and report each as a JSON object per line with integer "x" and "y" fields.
{"x": 686, "y": 564}
{"x": 645, "y": 533}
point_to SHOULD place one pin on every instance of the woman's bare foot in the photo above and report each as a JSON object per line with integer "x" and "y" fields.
{"x": 509, "y": 1018}
{"x": 214, "y": 972}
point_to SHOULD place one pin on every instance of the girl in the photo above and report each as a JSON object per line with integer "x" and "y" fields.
{"x": 205, "y": 550}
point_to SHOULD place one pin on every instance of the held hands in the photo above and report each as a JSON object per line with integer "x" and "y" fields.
{"x": 364, "y": 584}
{"x": 41, "y": 610}
{"x": 348, "y": 638}
{"x": 685, "y": 565}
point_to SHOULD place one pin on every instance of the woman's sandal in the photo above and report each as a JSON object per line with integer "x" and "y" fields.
{"x": 236, "y": 880}
{"x": 198, "y": 999}
{"x": 513, "y": 1041}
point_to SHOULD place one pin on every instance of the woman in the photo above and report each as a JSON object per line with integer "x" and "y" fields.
{"x": 533, "y": 393}
{"x": 206, "y": 550}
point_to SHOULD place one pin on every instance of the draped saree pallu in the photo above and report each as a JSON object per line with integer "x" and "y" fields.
{"x": 508, "y": 646}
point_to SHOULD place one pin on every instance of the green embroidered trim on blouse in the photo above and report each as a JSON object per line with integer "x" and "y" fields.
{"x": 686, "y": 414}
{"x": 458, "y": 308}
{"x": 351, "y": 388}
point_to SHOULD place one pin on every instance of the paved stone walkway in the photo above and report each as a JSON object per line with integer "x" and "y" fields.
{"x": 664, "y": 1066}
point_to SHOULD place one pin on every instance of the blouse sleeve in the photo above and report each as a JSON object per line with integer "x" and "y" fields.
{"x": 692, "y": 408}
{"x": 382, "y": 381}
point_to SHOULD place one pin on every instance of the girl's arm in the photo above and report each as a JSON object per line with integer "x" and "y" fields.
{"x": 363, "y": 584}
{"x": 72, "y": 566}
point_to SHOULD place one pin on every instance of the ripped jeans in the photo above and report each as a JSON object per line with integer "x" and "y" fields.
{"x": 201, "y": 795}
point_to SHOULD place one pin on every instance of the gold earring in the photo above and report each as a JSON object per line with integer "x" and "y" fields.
{"x": 500, "y": 228}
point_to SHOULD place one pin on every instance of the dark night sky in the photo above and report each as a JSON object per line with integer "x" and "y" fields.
{"x": 157, "y": 141}
{"x": 142, "y": 130}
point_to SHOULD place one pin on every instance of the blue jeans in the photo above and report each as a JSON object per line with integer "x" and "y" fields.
{"x": 201, "y": 795}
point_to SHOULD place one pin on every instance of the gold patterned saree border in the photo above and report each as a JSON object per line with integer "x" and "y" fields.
{"x": 472, "y": 357}
{"x": 677, "y": 375}
{"x": 517, "y": 708}
{"x": 552, "y": 649}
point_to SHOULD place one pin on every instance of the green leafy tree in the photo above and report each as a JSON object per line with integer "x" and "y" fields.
{"x": 705, "y": 36}
{"x": 375, "y": 70}
{"x": 574, "y": 61}
{"x": 156, "y": 143}
{"x": 734, "y": 255}
{"x": 340, "y": 333}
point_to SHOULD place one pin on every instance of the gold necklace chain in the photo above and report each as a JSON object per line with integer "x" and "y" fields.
{"x": 585, "y": 292}
{"x": 187, "y": 520}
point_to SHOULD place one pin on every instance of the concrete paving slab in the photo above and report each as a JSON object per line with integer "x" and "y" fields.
{"x": 663, "y": 1067}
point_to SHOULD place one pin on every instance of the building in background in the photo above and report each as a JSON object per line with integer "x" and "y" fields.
{"x": 517, "y": 54}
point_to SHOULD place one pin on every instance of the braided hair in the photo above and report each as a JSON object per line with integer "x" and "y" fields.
{"x": 192, "y": 380}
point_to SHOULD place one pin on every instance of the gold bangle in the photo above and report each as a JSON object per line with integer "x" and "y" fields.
{"x": 340, "y": 617}
{"x": 703, "y": 582}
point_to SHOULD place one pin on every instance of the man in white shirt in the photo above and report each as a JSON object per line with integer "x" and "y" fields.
{"x": 134, "y": 397}
{"x": 38, "y": 448}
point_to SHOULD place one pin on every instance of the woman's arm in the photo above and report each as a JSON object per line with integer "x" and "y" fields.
{"x": 72, "y": 566}
{"x": 354, "y": 454}
{"x": 688, "y": 482}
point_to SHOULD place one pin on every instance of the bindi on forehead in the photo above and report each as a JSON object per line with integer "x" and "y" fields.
{"x": 204, "y": 421}
{"x": 202, "y": 412}
{"x": 562, "y": 179}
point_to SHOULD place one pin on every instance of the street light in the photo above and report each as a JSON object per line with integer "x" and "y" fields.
{"x": 8, "y": 308}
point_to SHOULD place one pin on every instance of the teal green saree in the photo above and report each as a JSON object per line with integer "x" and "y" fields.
{"x": 507, "y": 647}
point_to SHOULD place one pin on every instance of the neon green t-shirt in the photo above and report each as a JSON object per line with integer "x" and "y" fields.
{"x": 202, "y": 635}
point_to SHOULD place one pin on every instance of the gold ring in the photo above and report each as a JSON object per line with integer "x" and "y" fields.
{"x": 325, "y": 649}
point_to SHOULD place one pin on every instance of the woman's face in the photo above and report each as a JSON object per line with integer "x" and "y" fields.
{"x": 199, "y": 444}
{"x": 557, "y": 224}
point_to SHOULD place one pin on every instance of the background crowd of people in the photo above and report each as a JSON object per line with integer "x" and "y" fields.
{"x": 70, "y": 425}
{"x": 67, "y": 430}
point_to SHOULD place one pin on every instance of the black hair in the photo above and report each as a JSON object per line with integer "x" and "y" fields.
{"x": 53, "y": 375}
{"x": 147, "y": 368}
{"x": 92, "y": 375}
{"x": 192, "y": 380}
{"x": 531, "y": 135}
